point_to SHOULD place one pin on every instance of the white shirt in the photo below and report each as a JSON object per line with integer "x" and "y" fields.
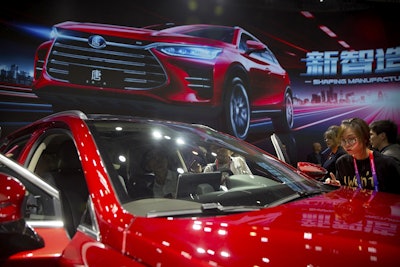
{"x": 168, "y": 188}
{"x": 237, "y": 165}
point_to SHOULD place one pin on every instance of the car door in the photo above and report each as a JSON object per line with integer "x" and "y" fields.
{"x": 41, "y": 211}
{"x": 46, "y": 211}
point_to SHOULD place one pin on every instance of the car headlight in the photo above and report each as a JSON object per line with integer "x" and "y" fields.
{"x": 200, "y": 52}
{"x": 53, "y": 33}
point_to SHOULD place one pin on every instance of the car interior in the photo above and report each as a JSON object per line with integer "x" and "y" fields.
{"x": 69, "y": 178}
{"x": 57, "y": 162}
{"x": 191, "y": 184}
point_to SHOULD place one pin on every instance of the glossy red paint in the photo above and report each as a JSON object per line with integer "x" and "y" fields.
{"x": 85, "y": 251}
{"x": 340, "y": 228}
{"x": 347, "y": 226}
{"x": 56, "y": 240}
{"x": 12, "y": 194}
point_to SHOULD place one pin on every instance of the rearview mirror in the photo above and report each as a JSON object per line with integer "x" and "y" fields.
{"x": 15, "y": 234}
{"x": 254, "y": 46}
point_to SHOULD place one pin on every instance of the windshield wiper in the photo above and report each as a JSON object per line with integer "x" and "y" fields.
{"x": 204, "y": 209}
{"x": 169, "y": 213}
{"x": 217, "y": 207}
{"x": 320, "y": 191}
{"x": 283, "y": 200}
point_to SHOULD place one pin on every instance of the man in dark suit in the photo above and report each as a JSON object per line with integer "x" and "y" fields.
{"x": 316, "y": 155}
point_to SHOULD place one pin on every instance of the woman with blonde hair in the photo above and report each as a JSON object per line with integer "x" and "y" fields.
{"x": 335, "y": 150}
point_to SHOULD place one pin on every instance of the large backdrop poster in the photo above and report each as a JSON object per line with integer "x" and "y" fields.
{"x": 293, "y": 68}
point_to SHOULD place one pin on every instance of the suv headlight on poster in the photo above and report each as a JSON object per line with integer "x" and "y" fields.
{"x": 199, "y": 52}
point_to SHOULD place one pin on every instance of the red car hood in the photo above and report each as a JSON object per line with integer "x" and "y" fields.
{"x": 345, "y": 227}
{"x": 98, "y": 27}
{"x": 132, "y": 32}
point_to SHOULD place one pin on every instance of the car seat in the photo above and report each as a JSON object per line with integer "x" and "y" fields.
{"x": 70, "y": 181}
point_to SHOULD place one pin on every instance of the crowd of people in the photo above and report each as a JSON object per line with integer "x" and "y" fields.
{"x": 362, "y": 155}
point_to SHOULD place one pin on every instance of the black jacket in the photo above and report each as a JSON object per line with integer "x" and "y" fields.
{"x": 315, "y": 158}
{"x": 330, "y": 161}
{"x": 392, "y": 150}
{"x": 387, "y": 170}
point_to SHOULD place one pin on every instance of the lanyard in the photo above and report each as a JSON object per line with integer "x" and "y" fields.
{"x": 374, "y": 176}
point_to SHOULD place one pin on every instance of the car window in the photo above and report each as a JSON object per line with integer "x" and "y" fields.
{"x": 224, "y": 34}
{"x": 147, "y": 162}
{"x": 243, "y": 39}
{"x": 265, "y": 55}
{"x": 14, "y": 149}
{"x": 41, "y": 204}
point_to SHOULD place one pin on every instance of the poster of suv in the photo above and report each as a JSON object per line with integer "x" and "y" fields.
{"x": 220, "y": 74}
{"x": 249, "y": 68}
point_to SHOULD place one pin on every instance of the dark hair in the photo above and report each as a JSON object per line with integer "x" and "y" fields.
{"x": 154, "y": 153}
{"x": 359, "y": 126}
{"x": 385, "y": 126}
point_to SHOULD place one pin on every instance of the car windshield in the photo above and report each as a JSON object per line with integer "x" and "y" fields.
{"x": 161, "y": 169}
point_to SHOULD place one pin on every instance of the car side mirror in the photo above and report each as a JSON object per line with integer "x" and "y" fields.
{"x": 254, "y": 46}
{"x": 15, "y": 234}
{"x": 311, "y": 169}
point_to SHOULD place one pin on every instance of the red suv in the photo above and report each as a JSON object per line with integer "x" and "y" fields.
{"x": 218, "y": 73}
{"x": 88, "y": 194}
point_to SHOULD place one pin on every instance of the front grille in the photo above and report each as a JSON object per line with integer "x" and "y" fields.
{"x": 123, "y": 63}
{"x": 200, "y": 80}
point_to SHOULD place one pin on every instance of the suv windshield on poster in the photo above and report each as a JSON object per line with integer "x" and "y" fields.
{"x": 250, "y": 69}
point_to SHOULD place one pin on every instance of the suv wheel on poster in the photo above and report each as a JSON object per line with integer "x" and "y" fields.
{"x": 237, "y": 108}
{"x": 284, "y": 121}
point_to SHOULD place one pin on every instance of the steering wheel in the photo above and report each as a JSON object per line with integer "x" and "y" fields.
{"x": 225, "y": 173}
